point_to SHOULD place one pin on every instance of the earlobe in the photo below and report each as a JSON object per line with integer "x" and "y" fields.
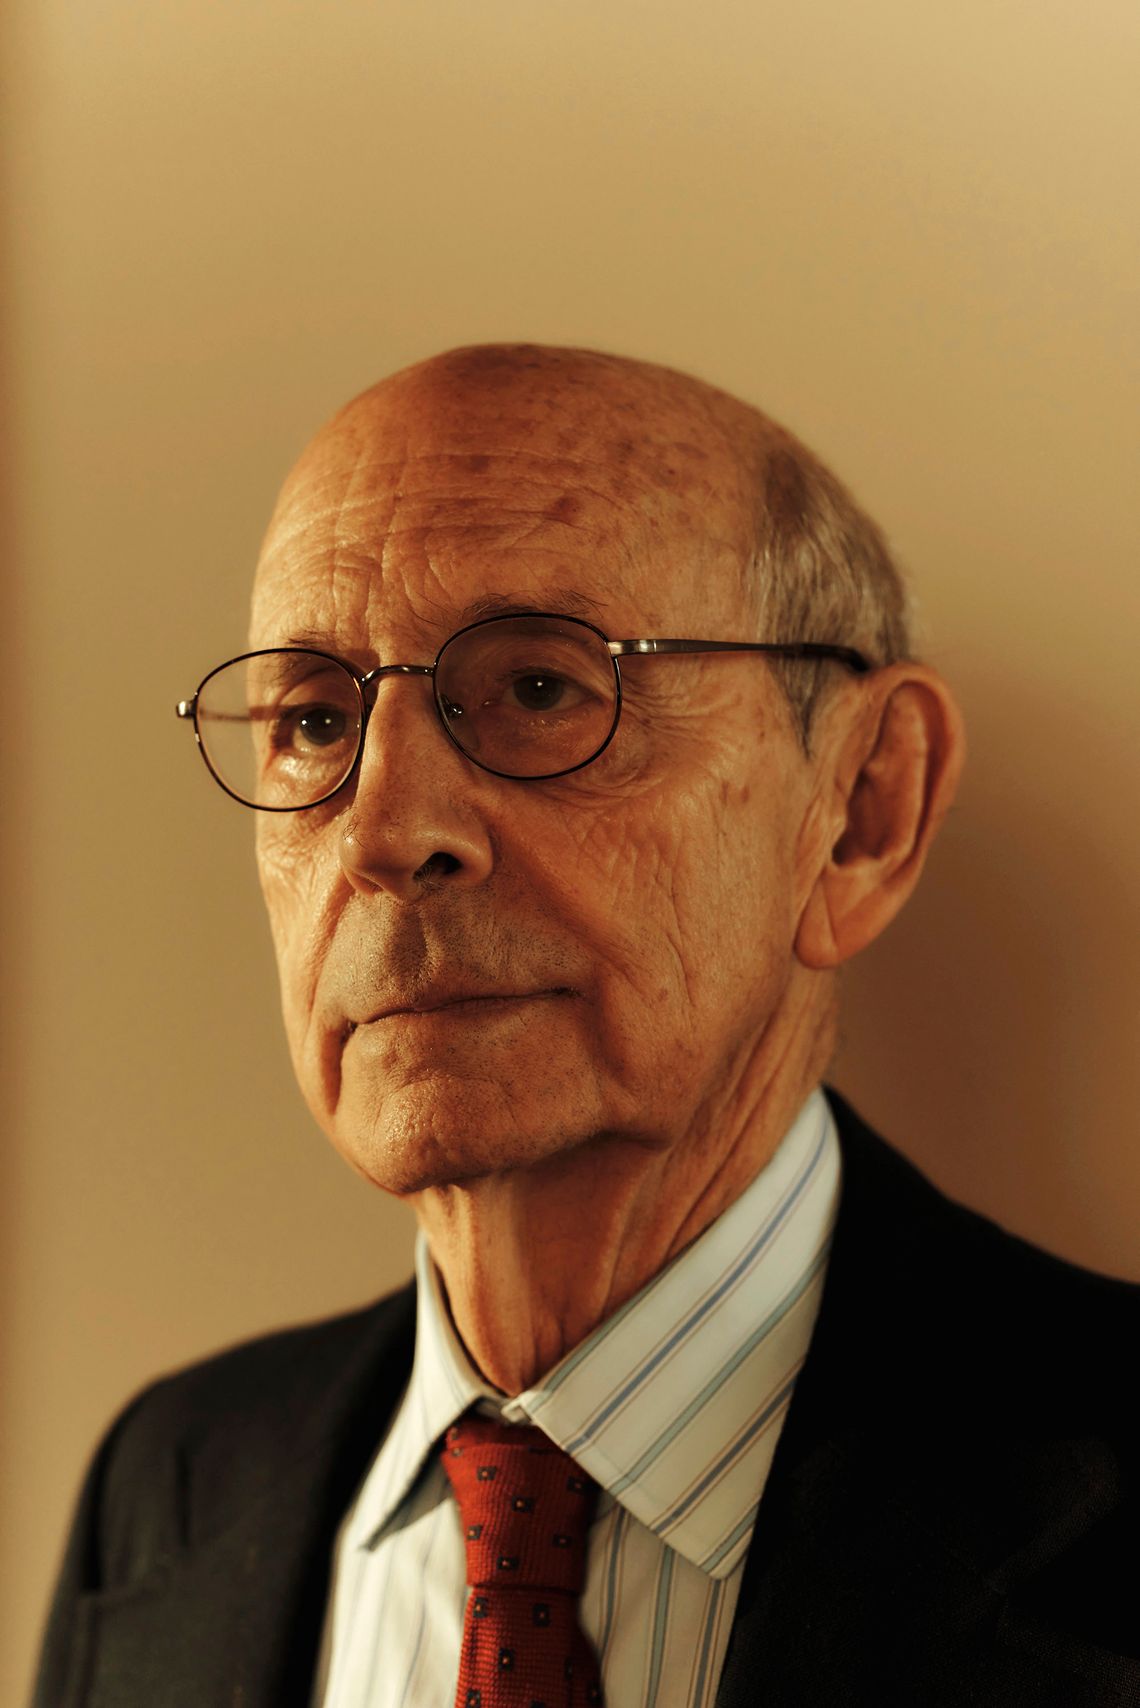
{"x": 896, "y": 773}
{"x": 816, "y": 946}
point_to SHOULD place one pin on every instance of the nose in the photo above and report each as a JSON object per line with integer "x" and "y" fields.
{"x": 413, "y": 824}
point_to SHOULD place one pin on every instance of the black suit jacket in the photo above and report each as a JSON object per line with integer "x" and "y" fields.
{"x": 950, "y": 1518}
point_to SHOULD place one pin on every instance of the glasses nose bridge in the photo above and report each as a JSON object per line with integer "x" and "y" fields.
{"x": 372, "y": 678}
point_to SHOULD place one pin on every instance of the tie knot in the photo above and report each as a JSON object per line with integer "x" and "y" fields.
{"x": 525, "y": 1506}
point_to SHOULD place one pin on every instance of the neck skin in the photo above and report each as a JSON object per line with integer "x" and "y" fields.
{"x": 534, "y": 1260}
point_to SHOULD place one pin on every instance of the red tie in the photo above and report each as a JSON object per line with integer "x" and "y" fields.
{"x": 525, "y": 1508}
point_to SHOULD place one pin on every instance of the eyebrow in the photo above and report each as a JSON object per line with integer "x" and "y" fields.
{"x": 566, "y": 603}
{"x": 316, "y": 639}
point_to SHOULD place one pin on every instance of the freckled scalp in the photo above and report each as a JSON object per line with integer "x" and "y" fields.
{"x": 597, "y": 420}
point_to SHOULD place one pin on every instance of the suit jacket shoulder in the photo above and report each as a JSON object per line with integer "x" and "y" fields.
{"x": 1001, "y": 1339}
{"x": 217, "y": 1491}
{"x": 952, "y": 1508}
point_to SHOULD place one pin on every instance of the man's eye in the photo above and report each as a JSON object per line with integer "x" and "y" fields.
{"x": 310, "y": 726}
{"x": 542, "y": 692}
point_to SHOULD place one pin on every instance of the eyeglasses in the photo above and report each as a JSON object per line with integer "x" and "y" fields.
{"x": 529, "y": 697}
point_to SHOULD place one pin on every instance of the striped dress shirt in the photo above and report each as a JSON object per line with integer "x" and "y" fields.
{"x": 673, "y": 1406}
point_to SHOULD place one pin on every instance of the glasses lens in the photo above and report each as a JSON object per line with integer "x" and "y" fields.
{"x": 528, "y": 696}
{"x": 280, "y": 729}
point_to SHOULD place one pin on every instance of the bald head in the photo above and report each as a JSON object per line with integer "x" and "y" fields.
{"x": 564, "y": 400}
{"x": 670, "y": 459}
{"x": 679, "y": 453}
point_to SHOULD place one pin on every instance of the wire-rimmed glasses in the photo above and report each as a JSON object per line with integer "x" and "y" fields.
{"x": 530, "y": 697}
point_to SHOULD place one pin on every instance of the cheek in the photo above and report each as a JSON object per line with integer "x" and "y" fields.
{"x": 687, "y": 892}
{"x": 295, "y": 882}
{"x": 723, "y": 882}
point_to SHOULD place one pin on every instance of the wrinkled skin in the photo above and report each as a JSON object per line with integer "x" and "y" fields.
{"x": 566, "y": 1019}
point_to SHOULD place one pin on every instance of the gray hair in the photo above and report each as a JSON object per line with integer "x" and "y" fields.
{"x": 821, "y": 570}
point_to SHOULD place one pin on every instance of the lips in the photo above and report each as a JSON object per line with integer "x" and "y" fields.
{"x": 439, "y": 1001}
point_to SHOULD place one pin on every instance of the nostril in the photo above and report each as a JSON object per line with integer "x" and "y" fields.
{"x": 437, "y": 865}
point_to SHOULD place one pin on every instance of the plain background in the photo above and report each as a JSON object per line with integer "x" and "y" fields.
{"x": 908, "y": 231}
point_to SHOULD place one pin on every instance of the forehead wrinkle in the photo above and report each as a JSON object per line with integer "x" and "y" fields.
{"x": 422, "y": 473}
{"x": 367, "y": 532}
{"x": 360, "y": 491}
{"x": 358, "y": 498}
{"x": 286, "y": 534}
{"x": 415, "y": 509}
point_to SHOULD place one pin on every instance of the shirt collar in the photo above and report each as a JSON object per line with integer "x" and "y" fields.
{"x": 672, "y": 1405}
{"x": 443, "y": 1385}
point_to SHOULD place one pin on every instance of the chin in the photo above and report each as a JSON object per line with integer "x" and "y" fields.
{"x": 453, "y": 1135}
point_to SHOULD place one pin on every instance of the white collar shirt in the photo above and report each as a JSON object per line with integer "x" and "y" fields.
{"x": 673, "y": 1405}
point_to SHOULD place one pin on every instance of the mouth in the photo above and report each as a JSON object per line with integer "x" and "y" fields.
{"x": 458, "y": 1004}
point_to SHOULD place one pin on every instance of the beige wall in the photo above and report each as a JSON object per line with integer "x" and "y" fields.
{"x": 908, "y": 231}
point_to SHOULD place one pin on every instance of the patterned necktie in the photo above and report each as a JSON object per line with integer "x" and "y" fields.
{"x": 525, "y": 1508}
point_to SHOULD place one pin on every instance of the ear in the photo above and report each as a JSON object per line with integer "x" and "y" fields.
{"x": 892, "y": 781}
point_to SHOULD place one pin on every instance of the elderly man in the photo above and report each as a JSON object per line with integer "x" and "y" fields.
{"x": 586, "y": 745}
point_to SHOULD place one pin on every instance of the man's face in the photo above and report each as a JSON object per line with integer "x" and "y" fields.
{"x": 480, "y": 973}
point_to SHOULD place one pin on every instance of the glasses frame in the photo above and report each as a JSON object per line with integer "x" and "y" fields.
{"x": 617, "y": 649}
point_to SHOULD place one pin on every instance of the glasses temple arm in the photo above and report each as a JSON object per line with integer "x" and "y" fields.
{"x": 781, "y": 649}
